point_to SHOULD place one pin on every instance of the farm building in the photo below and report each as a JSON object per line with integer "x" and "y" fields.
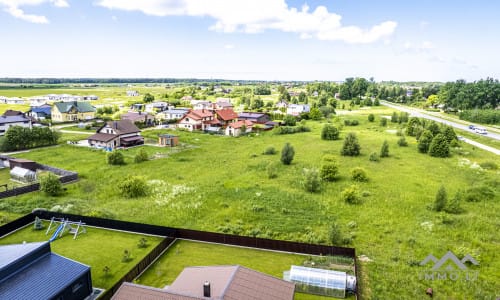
{"x": 321, "y": 282}
{"x": 32, "y": 271}
{"x": 168, "y": 140}
{"x": 22, "y": 175}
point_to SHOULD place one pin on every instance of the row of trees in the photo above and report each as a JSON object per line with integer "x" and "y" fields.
{"x": 20, "y": 138}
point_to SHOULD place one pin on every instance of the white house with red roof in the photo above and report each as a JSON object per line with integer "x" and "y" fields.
{"x": 226, "y": 116}
{"x": 236, "y": 128}
{"x": 197, "y": 119}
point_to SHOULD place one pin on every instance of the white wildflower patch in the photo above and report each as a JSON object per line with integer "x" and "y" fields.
{"x": 462, "y": 162}
{"x": 163, "y": 193}
{"x": 427, "y": 225}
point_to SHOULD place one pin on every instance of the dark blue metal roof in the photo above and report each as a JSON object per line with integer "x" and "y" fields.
{"x": 43, "y": 278}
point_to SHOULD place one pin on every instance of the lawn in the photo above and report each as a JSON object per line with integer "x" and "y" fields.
{"x": 220, "y": 183}
{"x": 188, "y": 253}
{"x": 96, "y": 248}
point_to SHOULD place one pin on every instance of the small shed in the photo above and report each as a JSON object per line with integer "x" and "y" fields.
{"x": 168, "y": 140}
{"x": 22, "y": 174}
{"x": 23, "y": 163}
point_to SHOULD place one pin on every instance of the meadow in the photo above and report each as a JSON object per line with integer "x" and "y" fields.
{"x": 219, "y": 183}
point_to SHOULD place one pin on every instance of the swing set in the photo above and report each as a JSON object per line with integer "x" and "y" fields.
{"x": 65, "y": 225}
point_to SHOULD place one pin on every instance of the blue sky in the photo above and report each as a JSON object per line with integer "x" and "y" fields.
{"x": 259, "y": 39}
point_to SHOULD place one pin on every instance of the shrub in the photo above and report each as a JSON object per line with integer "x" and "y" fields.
{"x": 329, "y": 157}
{"x": 402, "y": 142}
{"x": 439, "y": 146}
{"x": 478, "y": 193}
{"x": 351, "y": 122}
{"x": 290, "y": 130}
{"x": 270, "y": 151}
{"x": 454, "y": 206}
{"x": 272, "y": 171}
{"x": 311, "y": 181}
{"x": 374, "y": 156}
{"x": 351, "y": 145}
{"x": 383, "y": 122}
{"x": 330, "y": 132}
{"x": 450, "y": 134}
{"x": 394, "y": 117}
{"x": 287, "y": 154}
{"x": 371, "y": 117}
{"x": 424, "y": 141}
{"x": 351, "y": 195}
{"x": 329, "y": 171}
{"x": 143, "y": 243}
{"x": 489, "y": 165}
{"x": 359, "y": 174}
{"x": 335, "y": 234}
{"x": 50, "y": 184}
{"x": 115, "y": 158}
{"x": 133, "y": 187}
{"x": 384, "y": 150}
{"x": 289, "y": 120}
{"x": 126, "y": 256}
{"x": 441, "y": 199}
{"x": 141, "y": 156}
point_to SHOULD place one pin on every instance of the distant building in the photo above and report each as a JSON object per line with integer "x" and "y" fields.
{"x": 41, "y": 112}
{"x": 255, "y": 117}
{"x": 132, "y": 93}
{"x": 168, "y": 140}
{"x": 18, "y": 120}
{"x": 297, "y": 109}
{"x": 156, "y": 107}
{"x": 72, "y": 111}
{"x": 115, "y": 134}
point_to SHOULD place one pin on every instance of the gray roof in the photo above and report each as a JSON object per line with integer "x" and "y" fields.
{"x": 13, "y": 119}
{"x": 10, "y": 253}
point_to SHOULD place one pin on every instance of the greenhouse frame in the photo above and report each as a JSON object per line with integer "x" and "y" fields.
{"x": 320, "y": 281}
{"x": 22, "y": 175}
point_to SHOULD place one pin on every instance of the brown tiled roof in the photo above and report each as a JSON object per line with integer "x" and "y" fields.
{"x": 137, "y": 117}
{"x": 238, "y": 124}
{"x": 10, "y": 112}
{"x": 102, "y": 137}
{"x": 123, "y": 126}
{"x": 130, "y": 291}
{"x": 227, "y": 114}
{"x": 202, "y": 113}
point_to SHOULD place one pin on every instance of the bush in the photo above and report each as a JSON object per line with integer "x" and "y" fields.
{"x": 351, "y": 195}
{"x": 115, "y": 158}
{"x": 484, "y": 116}
{"x": 454, "y": 206}
{"x": 270, "y": 151}
{"x": 50, "y": 184}
{"x": 384, "y": 150}
{"x": 272, "y": 171}
{"x": 351, "y": 145}
{"x": 441, "y": 199}
{"x": 359, "y": 174}
{"x": 311, "y": 182}
{"x": 383, "y": 122}
{"x": 371, "y": 117}
{"x": 402, "y": 142}
{"x": 351, "y": 122}
{"x": 133, "y": 187}
{"x": 289, "y": 120}
{"x": 478, "y": 193}
{"x": 290, "y": 130}
{"x": 141, "y": 156}
{"x": 489, "y": 165}
{"x": 329, "y": 171}
{"x": 394, "y": 117}
{"x": 330, "y": 132}
{"x": 374, "y": 156}
{"x": 439, "y": 146}
{"x": 287, "y": 154}
{"x": 335, "y": 234}
{"x": 424, "y": 141}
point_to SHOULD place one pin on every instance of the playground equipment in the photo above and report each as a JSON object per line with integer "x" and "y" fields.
{"x": 74, "y": 228}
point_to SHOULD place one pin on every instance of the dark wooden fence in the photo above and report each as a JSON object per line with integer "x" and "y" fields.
{"x": 174, "y": 233}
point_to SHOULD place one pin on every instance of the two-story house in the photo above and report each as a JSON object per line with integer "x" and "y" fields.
{"x": 115, "y": 134}
{"x": 72, "y": 111}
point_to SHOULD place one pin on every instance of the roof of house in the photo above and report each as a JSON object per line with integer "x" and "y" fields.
{"x": 102, "y": 137}
{"x": 251, "y": 115}
{"x": 82, "y": 107}
{"x": 136, "y": 116}
{"x": 10, "y": 112}
{"x": 240, "y": 123}
{"x": 42, "y": 109}
{"x": 122, "y": 126}
{"x": 32, "y": 271}
{"x": 13, "y": 119}
{"x": 226, "y": 282}
{"x": 199, "y": 114}
{"x": 227, "y": 114}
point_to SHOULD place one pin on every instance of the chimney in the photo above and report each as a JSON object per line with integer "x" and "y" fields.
{"x": 206, "y": 289}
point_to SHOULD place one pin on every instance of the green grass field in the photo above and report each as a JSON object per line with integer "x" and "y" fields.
{"x": 220, "y": 184}
{"x": 96, "y": 248}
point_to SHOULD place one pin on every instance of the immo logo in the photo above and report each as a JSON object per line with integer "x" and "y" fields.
{"x": 449, "y": 267}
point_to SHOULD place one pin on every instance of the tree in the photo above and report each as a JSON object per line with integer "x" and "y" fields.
{"x": 402, "y": 142}
{"x": 315, "y": 114}
{"x": 384, "y": 151}
{"x": 441, "y": 199}
{"x": 394, "y": 117}
{"x": 133, "y": 187}
{"x": 351, "y": 195}
{"x": 330, "y": 132}
{"x": 311, "y": 181}
{"x": 50, "y": 184}
{"x": 115, "y": 158}
{"x": 439, "y": 146}
{"x": 335, "y": 234}
{"x": 449, "y": 133}
{"x": 351, "y": 145}
{"x": 287, "y": 154}
{"x": 289, "y": 120}
{"x": 329, "y": 171}
{"x": 424, "y": 141}
{"x": 303, "y": 97}
{"x": 383, "y": 122}
{"x": 359, "y": 174}
{"x": 371, "y": 117}
{"x": 262, "y": 90}
{"x": 413, "y": 126}
{"x": 148, "y": 98}
{"x": 433, "y": 128}
{"x": 141, "y": 156}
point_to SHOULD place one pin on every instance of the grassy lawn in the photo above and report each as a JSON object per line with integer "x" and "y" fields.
{"x": 220, "y": 183}
{"x": 96, "y": 248}
{"x": 187, "y": 253}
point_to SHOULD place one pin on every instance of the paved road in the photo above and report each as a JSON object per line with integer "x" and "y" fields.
{"x": 417, "y": 113}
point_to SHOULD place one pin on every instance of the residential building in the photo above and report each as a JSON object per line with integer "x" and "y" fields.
{"x": 297, "y": 109}
{"x": 72, "y": 111}
{"x": 200, "y": 104}
{"x": 255, "y": 117}
{"x": 198, "y": 119}
{"x": 115, "y": 134}
{"x": 139, "y": 117}
{"x": 156, "y": 107}
{"x": 132, "y": 93}
{"x": 281, "y": 104}
{"x": 173, "y": 114}
{"x": 236, "y": 128}
{"x": 41, "y": 112}
{"x": 18, "y": 120}
{"x": 226, "y": 116}
{"x": 213, "y": 282}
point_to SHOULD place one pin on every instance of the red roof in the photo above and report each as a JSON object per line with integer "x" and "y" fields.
{"x": 227, "y": 114}
{"x": 238, "y": 124}
{"x": 198, "y": 114}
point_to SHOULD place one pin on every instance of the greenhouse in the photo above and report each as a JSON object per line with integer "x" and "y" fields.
{"x": 321, "y": 282}
{"x": 22, "y": 175}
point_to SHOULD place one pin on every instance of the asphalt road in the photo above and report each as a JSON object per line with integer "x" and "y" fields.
{"x": 417, "y": 113}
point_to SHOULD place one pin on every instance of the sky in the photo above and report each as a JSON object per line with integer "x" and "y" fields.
{"x": 251, "y": 40}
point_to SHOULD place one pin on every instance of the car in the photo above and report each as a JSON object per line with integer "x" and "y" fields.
{"x": 480, "y": 130}
{"x": 471, "y": 127}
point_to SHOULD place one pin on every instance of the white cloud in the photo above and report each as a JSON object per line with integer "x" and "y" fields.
{"x": 229, "y": 46}
{"x": 12, "y": 7}
{"x": 260, "y": 15}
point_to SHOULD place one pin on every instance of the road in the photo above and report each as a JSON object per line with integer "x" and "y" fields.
{"x": 417, "y": 113}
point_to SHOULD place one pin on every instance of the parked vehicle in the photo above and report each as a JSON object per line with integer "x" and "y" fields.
{"x": 471, "y": 127}
{"x": 480, "y": 130}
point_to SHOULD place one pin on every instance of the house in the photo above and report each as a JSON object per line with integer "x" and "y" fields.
{"x": 226, "y": 116}
{"x": 156, "y": 107}
{"x": 132, "y": 93}
{"x": 168, "y": 140}
{"x": 72, "y": 111}
{"x": 223, "y": 103}
{"x": 90, "y": 97}
{"x": 115, "y": 134}
{"x": 33, "y": 271}
{"x": 255, "y": 117}
{"x": 8, "y": 121}
{"x": 137, "y": 107}
{"x": 139, "y": 117}
{"x": 282, "y": 104}
{"x": 173, "y": 114}
{"x": 198, "y": 119}
{"x": 297, "y": 109}
{"x": 213, "y": 282}
{"x": 11, "y": 113}
{"x": 41, "y": 112}
{"x": 14, "y": 100}
{"x": 200, "y": 104}
{"x": 236, "y": 128}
